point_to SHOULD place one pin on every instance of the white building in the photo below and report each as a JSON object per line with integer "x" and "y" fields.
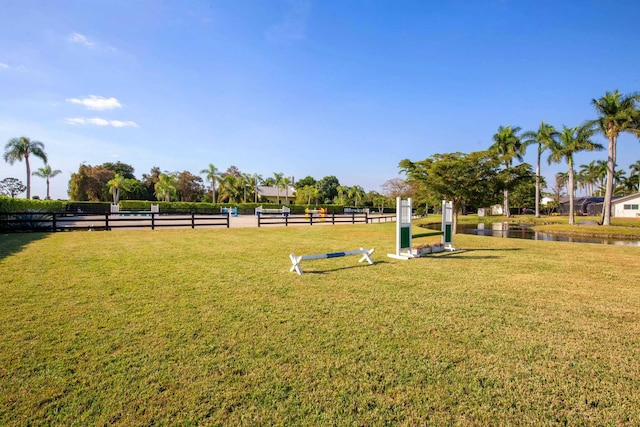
{"x": 626, "y": 207}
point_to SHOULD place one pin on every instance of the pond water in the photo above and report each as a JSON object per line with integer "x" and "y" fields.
{"x": 524, "y": 231}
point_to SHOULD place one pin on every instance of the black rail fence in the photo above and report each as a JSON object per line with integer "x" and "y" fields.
{"x": 348, "y": 218}
{"x": 71, "y": 221}
{"x": 286, "y": 219}
{"x": 52, "y": 221}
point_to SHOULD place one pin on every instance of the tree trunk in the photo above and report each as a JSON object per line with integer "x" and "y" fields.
{"x": 26, "y": 160}
{"x": 611, "y": 162}
{"x": 571, "y": 191}
{"x": 505, "y": 206}
{"x": 538, "y": 182}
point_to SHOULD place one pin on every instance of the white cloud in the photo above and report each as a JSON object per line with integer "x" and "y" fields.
{"x": 294, "y": 25}
{"x": 3, "y": 65}
{"x": 122, "y": 124}
{"x": 97, "y": 121}
{"x": 81, "y": 39}
{"x": 93, "y": 102}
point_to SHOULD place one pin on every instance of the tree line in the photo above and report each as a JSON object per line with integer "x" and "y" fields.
{"x": 487, "y": 177}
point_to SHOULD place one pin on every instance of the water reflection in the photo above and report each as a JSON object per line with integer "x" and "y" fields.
{"x": 524, "y": 231}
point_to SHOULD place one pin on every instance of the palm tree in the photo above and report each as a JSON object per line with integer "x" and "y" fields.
{"x": 571, "y": 141}
{"x": 617, "y": 113}
{"x": 21, "y": 148}
{"x": 545, "y": 136}
{"x": 356, "y": 192}
{"x": 212, "y": 174}
{"x": 635, "y": 172}
{"x": 277, "y": 180}
{"x": 507, "y": 145}
{"x": 231, "y": 188}
{"x": 117, "y": 185}
{"x": 254, "y": 181}
{"x": 166, "y": 187}
{"x": 284, "y": 184}
{"x": 47, "y": 173}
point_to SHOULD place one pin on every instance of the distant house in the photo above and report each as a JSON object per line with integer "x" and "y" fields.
{"x": 277, "y": 195}
{"x": 582, "y": 206}
{"x": 626, "y": 207}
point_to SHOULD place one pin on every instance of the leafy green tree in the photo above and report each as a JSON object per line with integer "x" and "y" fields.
{"x": 468, "y": 180}
{"x": 306, "y": 181}
{"x": 21, "y": 149}
{"x": 305, "y": 194}
{"x": 90, "y": 183}
{"x": 12, "y": 187}
{"x": 190, "y": 188}
{"x": 328, "y": 188}
{"x": 571, "y": 141}
{"x": 212, "y": 174}
{"x": 149, "y": 183}
{"x": 508, "y": 146}
{"x": 122, "y": 169}
{"x": 167, "y": 187}
{"x": 341, "y": 197}
{"x": 544, "y": 137}
{"x": 617, "y": 114}
{"x": 47, "y": 173}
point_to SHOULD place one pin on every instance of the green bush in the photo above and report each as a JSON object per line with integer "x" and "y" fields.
{"x": 8, "y": 204}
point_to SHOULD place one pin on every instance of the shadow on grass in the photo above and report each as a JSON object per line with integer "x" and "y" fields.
{"x": 11, "y": 243}
{"x": 460, "y": 253}
{"x": 348, "y": 267}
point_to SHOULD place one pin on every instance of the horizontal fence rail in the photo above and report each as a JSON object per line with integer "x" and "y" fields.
{"x": 353, "y": 218}
{"x": 54, "y": 221}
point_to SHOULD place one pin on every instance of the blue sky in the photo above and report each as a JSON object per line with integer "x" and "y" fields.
{"x": 304, "y": 87}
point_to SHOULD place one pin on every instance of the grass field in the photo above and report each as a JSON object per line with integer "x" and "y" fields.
{"x": 209, "y": 327}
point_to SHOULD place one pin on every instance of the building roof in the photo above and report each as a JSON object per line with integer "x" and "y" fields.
{"x": 625, "y": 198}
{"x": 264, "y": 191}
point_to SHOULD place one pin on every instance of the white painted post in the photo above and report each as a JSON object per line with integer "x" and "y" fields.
{"x": 403, "y": 229}
{"x": 447, "y": 225}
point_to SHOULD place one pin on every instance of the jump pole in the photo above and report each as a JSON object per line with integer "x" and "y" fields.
{"x": 403, "y": 229}
{"x": 296, "y": 260}
{"x": 404, "y": 234}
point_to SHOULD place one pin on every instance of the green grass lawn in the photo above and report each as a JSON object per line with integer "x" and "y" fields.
{"x": 209, "y": 327}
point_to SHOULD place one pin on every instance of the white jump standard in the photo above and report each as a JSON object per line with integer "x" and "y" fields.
{"x": 404, "y": 232}
{"x": 366, "y": 256}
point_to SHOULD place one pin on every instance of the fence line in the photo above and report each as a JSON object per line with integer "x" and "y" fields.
{"x": 55, "y": 221}
{"x": 353, "y": 218}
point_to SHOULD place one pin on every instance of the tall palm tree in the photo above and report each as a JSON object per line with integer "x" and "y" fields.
{"x": 254, "y": 181}
{"x": 212, "y": 174}
{"x": 231, "y": 188}
{"x": 20, "y": 149}
{"x": 284, "y": 184}
{"x": 634, "y": 170}
{"x": 571, "y": 141}
{"x": 617, "y": 113}
{"x": 356, "y": 193}
{"x": 117, "y": 185}
{"x": 47, "y": 173}
{"x": 545, "y": 136}
{"x": 507, "y": 145}
{"x": 166, "y": 187}
{"x": 277, "y": 180}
